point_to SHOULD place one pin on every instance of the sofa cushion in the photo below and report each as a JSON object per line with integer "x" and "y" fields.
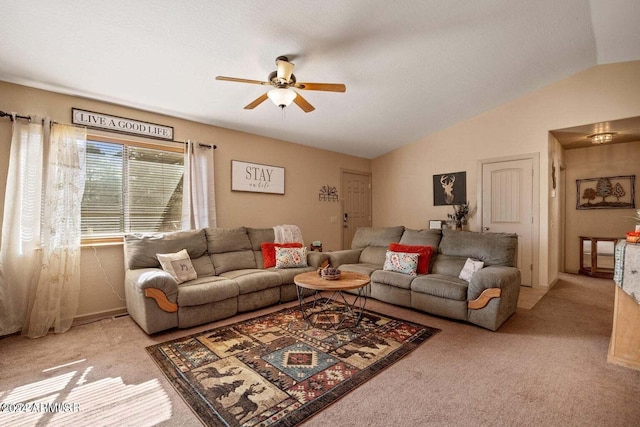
{"x": 374, "y": 242}
{"x": 391, "y": 278}
{"x": 203, "y": 266}
{"x": 253, "y": 280}
{"x": 205, "y": 290}
{"x": 470, "y": 267}
{"x": 287, "y": 274}
{"x": 229, "y": 261}
{"x": 421, "y": 237}
{"x": 221, "y": 240}
{"x": 362, "y": 268}
{"x": 268, "y": 251}
{"x": 141, "y": 249}
{"x": 424, "y": 254}
{"x": 447, "y": 265}
{"x": 178, "y": 265}
{"x": 401, "y": 262}
{"x": 376, "y": 236}
{"x": 492, "y": 248}
{"x": 291, "y": 257}
{"x": 441, "y": 286}
{"x": 374, "y": 255}
{"x": 230, "y": 249}
{"x": 257, "y": 236}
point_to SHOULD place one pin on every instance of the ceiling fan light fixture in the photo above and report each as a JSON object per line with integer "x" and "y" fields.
{"x": 282, "y": 97}
{"x": 601, "y": 138}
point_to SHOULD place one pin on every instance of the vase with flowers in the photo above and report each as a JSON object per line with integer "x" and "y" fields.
{"x": 636, "y": 218}
{"x": 459, "y": 215}
{"x": 634, "y": 236}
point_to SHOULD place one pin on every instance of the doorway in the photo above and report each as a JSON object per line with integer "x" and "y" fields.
{"x": 507, "y": 204}
{"x": 356, "y": 204}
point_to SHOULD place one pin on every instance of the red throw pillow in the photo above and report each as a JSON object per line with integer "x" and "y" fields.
{"x": 424, "y": 254}
{"x": 269, "y": 252}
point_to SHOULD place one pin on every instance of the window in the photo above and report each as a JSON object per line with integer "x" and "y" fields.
{"x": 131, "y": 188}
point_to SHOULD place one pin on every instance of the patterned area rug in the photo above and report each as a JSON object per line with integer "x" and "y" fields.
{"x": 276, "y": 370}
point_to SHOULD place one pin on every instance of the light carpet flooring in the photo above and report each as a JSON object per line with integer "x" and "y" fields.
{"x": 546, "y": 366}
{"x": 529, "y": 297}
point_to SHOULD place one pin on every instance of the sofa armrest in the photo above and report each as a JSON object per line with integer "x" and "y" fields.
{"x": 315, "y": 259}
{"x": 345, "y": 256}
{"x": 493, "y": 276}
{"x": 146, "y": 278}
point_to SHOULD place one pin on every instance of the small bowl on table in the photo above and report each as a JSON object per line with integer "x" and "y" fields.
{"x": 330, "y": 276}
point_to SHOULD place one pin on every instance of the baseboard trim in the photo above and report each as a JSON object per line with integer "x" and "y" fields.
{"x": 632, "y": 364}
{"x": 93, "y": 317}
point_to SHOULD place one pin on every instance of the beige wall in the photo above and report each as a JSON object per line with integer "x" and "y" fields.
{"x": 595, "y": 162}
{"x": 557, "y": 198}
{"x": 306, "y": 171}
{"x": 402, "y": 179}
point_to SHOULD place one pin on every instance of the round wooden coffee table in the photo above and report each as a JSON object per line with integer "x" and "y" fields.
{"x": 324, "y": 312}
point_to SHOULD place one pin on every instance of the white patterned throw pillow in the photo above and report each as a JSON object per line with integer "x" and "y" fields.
{"x": 291, "y": 257}
{"x": 401, "y": 262}
{"x": 178, "y": 265}
{"x": 470, "y": 267}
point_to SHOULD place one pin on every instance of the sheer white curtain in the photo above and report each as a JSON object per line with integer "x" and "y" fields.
{"x": 19, "y": 247}
{"x": 198, "y": 189}
{"x": 40, "y": 249}
{"x": 55, "y": 300}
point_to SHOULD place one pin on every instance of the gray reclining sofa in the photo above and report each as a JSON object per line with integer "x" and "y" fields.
{"x": 487, "y": 300}
{"x": 230, "y": 277}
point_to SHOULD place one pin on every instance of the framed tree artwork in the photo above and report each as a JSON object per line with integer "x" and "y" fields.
{"x": 611, "y": 192}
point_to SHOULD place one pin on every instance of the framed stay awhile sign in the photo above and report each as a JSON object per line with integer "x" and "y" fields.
{"x": 256, "y": 178}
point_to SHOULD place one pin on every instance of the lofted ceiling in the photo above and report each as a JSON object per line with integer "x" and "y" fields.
{"x": 411, "y": 67}
{"x": 622, "y": 130}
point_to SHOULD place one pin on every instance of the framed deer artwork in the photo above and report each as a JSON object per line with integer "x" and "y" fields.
{"x": 450, "y": 189}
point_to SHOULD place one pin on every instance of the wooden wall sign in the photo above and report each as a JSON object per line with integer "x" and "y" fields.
{"x": 91, "y": 119}
{"x": 256, "y": 178}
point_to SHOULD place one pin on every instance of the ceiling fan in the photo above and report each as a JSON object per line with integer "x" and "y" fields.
{"x": 283, "y": 81}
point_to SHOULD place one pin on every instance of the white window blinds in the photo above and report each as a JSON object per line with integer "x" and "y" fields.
{"x": 131, "y": 189}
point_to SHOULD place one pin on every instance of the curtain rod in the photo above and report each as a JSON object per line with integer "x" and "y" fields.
{"x": 11, "y": 116}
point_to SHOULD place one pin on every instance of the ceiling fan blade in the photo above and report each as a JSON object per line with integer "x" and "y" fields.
{"x": 303, "y": 103}
{"x": 259, "y": 100}
{"x": 234, "y": 79}
{"x": 285, "y": 69}
{"x": 328, "y": 87}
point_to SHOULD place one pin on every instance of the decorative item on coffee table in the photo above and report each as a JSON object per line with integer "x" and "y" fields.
{"x": 329, "y": 273}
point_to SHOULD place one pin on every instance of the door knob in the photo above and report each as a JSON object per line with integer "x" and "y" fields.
{"x": 485, "y": 228}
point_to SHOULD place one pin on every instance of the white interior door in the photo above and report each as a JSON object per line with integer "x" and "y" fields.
{"x": 507, "y": 207}
{"x": 356, "y": 207}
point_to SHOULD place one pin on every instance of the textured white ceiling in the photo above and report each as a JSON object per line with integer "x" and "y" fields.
{"x": 411, "y": 67}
